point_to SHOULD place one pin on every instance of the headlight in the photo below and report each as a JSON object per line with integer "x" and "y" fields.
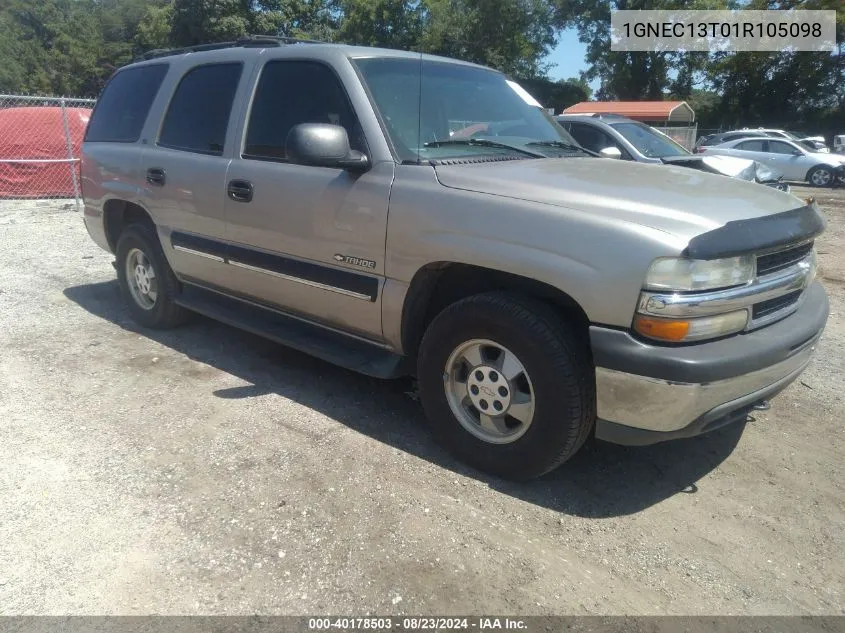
{"x": 686, "y": 275}
{"x": 689, "y": 330}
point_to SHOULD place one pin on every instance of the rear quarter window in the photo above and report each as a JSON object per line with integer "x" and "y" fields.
{"x": 124, "y": 104}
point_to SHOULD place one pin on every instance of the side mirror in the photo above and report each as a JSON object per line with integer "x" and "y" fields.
{"x": 323, "y": 145}
{"x": 797, "y": 152}
{"x": 611, "y": 152}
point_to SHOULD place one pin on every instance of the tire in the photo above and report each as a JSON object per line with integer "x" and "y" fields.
{"x": 158, "y": 311}
{"x": 821, "y": 176}
{"x": 558, "y": 383}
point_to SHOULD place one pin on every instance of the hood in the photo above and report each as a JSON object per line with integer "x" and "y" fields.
{"x": 828, "y": 159}
{"x": 680, "y": 201}
{"x": 732, "y": 166}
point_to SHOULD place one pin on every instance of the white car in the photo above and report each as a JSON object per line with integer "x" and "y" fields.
{"x": 792, "y": 159}
{"x": 810, "y": 142}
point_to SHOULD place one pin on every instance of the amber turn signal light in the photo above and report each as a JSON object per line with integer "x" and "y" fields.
{"x": 662, "y": 329}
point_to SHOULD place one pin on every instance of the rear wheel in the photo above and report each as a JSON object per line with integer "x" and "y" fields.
{"x": 506, "y": 384}
{"x": 821, "y": 176}
{"x": 147, "y": 282}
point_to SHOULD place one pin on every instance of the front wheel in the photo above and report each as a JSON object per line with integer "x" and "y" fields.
{"x": 147, "y": 283}
{"x": 507, "y": 385}
{"x": 821, "y": 177}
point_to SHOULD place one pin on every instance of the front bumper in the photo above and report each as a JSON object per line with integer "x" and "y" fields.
{"x": 649, "y": 393}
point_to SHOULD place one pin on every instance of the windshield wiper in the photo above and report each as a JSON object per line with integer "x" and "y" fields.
{"x": 483, "y": 142}
{"x": 563, "y": 145}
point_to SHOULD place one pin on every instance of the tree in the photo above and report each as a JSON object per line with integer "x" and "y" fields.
{"x": 200, "y": 21}
{"x": 557, "y": 95}
{"x": 811, "y": 84}
{"x": 578, "y": 84}
{"x": 388, "y": 23}
{"x": 633, "y": 75}
{"x": 154, "y": 28}
{"x": 511, "y": 35}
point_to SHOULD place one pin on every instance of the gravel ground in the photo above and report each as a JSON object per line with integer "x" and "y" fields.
{"x": 204, "y": 470}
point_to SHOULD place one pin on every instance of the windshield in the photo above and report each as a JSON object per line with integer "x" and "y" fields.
{"x": 649, "y": 142}
{"x": 462, "y": 112}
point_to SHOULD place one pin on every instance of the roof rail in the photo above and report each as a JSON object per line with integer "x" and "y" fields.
{"x": 248, "y": 41}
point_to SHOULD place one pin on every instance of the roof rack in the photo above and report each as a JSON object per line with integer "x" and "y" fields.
{"x": 249, "y": 41}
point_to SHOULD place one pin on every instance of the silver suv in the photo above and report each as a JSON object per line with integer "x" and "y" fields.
{"x": 400, "y": 214}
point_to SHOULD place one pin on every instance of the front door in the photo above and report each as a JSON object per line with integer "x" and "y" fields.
{"x": 788, "y": 160}
{"x": 310, "y": 240}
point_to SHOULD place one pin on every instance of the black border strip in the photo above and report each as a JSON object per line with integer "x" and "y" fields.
{"x": 197, "y": 243}
{"x": 347, "y": 280}
{"x": 758, "y": 234}
{"x": 307, "y": 271}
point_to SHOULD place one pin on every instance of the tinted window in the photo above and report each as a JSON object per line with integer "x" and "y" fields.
{"x": 124, "y": 104}
{"x": 591, "y": 137}
{"x": 198, "y": 114}
{"x": 648, "y": 141}
{"x": 779, "y": 147}
{"x": 751, "y": 146}
{"x": 290, "y": 93}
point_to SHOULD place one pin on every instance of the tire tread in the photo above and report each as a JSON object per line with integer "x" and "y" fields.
{"x": 564, "y": 351}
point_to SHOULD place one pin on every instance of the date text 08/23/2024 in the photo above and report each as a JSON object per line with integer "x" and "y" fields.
{"x": 416, "y": 623}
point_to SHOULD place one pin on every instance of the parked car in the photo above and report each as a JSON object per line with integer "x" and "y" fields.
{"x": 539, "y": 294}
{"x": 723, "y": 137}
{"x": 813, "y": 143}
{"x": 793, "y": 160}
{"x": 620, "y": 137}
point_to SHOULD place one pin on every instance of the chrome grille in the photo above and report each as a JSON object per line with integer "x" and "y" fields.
{"x": 773, "y": 262}
{"x": 782, "y": 264}
{"x": 765, "y": 308}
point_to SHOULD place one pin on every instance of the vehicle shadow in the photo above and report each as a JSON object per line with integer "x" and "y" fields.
{"x": 603, "y": 480}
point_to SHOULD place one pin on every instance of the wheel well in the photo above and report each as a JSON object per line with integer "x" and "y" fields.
{"x": 118, "y": 214}
{"x": 438, "y": 285}
{"x": 815, "y": 167}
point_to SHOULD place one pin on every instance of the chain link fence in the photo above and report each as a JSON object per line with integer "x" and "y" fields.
{"x": 40, "y": 148}
{"x": 685, "y": 135}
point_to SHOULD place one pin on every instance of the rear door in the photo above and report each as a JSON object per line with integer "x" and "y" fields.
{"x": 308, "y": 239}
{"x": 754, "y": 149}
{"x": 185, "y": 171}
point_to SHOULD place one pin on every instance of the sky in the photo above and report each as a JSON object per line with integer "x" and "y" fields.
{"x": 568, "y": 57}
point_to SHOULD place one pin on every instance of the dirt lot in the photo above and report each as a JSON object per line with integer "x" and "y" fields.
{"x": 204, "y": 470}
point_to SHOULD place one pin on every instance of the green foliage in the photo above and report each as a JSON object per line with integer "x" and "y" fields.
{"x": 726, "y": 90}
{"x": 200, "y": 21}
{"x": 154, "y": 28}
{"x": 388, "y": 23}
{"x": 72, "y": 46}
{"x": 511, "y": 35}
{"x": 557, "y": 94}
{"x": 66, "y": 46}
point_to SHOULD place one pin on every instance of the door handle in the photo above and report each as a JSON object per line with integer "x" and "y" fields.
{"x": 156, "y": 176}
{"x": 240, "y": 190}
